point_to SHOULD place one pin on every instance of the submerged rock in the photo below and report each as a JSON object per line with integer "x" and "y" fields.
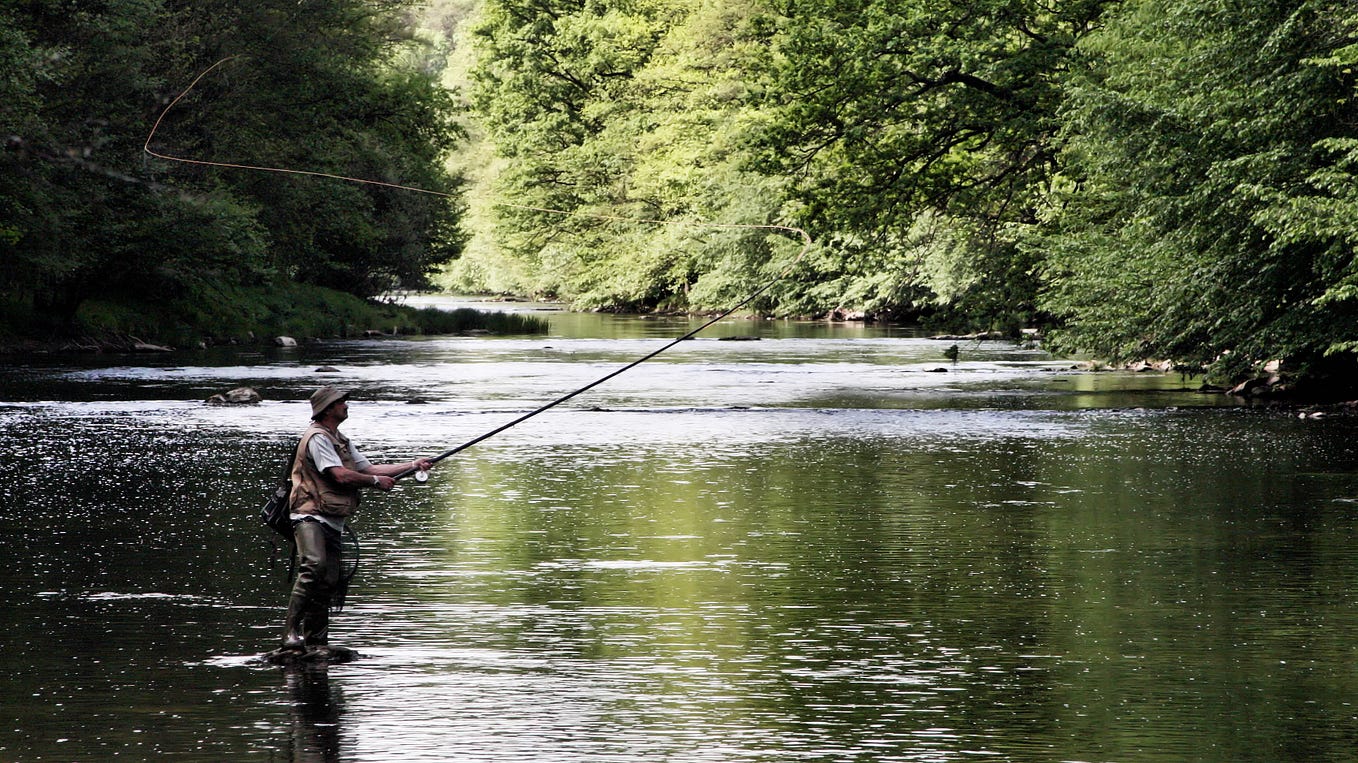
{"x": 237, "y": 396}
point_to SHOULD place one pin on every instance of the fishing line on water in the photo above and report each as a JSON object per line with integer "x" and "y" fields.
{"x": 805, "y": 237}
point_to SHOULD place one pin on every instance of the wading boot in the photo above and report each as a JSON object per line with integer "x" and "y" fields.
{"x": 294, "y": 638}
{"x": 315, "y": 628}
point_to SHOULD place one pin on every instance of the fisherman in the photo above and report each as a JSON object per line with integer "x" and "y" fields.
{"x": 327, "y": 474}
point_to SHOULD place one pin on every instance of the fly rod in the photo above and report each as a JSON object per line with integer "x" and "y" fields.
{"x": 421, "y": 476}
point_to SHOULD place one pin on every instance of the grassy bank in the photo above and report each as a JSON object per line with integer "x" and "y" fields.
{"x": 244, "y": 315}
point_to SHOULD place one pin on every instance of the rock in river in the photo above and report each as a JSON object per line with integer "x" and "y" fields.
{"x": 237, "y": 396}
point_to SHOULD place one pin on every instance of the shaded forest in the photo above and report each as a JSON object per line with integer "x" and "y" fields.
{"x": 1141, "y": 179}
{"x": 97, "y": 237}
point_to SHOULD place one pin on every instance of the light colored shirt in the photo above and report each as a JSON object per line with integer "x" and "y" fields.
{"x": 322, "y": 452}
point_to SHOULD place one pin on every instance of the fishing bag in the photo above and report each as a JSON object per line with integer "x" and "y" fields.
{"x": 277, "y": 512}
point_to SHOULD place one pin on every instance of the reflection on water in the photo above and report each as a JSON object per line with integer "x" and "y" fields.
{"x": 813, "y": 546}
{"x": 316, "y": 711}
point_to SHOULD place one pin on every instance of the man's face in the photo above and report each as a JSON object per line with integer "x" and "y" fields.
{"x": 340, "y": 410}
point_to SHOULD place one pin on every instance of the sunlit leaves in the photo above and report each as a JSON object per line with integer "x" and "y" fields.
{"x": 618, "y": 112}
{"x": 1176, "y": 176}
{"x": 1208, "y": 143}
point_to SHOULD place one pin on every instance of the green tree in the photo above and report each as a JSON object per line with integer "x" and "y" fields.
{"x": 632, "y": 118}
{"x": 85, "y": 217}
{"x": 81, "y": 76}
{"x": 322, "y": 87}
{"x": 549, "y": 79}
{"x": 922, "y": 140}
{"x": 1209, "y": 143}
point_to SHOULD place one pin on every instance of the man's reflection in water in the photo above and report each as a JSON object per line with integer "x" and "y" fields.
{"x": 315, "y": 714}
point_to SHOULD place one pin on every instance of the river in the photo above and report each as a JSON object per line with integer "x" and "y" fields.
{"x": 827, "y": 543}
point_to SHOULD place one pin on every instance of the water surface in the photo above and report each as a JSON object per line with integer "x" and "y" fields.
{"x": 829, "y": 544}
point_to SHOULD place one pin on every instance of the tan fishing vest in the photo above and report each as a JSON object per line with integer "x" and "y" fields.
{"x": 314, "y": 492}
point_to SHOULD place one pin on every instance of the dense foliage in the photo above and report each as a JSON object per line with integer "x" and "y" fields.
{"x": 922, "y": 134}
{"x": 619, "y": 113}
{"x": 915, "y": 139}
{"x": 1148, "y": 179}
{"x": 1210, "y": 157}
{"x": 92, "y": 228}
{"x": 1142, "y": 178}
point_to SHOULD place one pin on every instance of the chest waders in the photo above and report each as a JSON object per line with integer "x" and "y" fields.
{"x": 323, "y": 570}
{"x": 318, "y": 576}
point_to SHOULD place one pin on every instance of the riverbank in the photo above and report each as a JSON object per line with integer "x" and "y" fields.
{"x": 79, "y": 345}
{"x": 253, "y": 318}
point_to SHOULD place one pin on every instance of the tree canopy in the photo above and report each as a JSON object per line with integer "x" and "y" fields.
{"x": 1140, "y": 178}
{"x": 1145, "y": 179}
{"x": 1208, "y": 161}
{"x": 86, "y": 219}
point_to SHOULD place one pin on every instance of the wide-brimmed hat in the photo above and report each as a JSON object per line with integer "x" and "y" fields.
{"x": 324, "y": 398}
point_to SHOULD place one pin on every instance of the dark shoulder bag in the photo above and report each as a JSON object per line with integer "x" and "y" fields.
{"x": 277, "y": 512}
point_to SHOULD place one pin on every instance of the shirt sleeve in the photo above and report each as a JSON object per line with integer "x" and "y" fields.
{"x": 323, "y": 454}
{"x": 360, "y": 460}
